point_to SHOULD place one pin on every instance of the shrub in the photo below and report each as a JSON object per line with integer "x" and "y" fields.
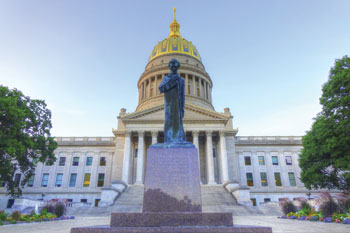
{"x": 1, "y": 223}
{"x": 344, "y": 202}
{"x": 3, "y": 215}
{"x": 43, "y": 211}
{"x": 287, "y": 206}
{"x": 304, "y": 205}
{"x": 60, "y": 209}
{"x": 16, "y": 215}
{"x": 12, "y": 221}
{"x": 328, "y": 206}
{"x": 50, "y": 207}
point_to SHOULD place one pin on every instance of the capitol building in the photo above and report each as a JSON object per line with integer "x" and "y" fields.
{"x": 96, "y": 171}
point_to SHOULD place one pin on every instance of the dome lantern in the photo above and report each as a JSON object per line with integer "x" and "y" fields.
{"x": 174, "y": 27}
{"x": 174, "y": 43}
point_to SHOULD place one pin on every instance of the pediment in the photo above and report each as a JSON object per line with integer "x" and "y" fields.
{"x": 192, "y": 114}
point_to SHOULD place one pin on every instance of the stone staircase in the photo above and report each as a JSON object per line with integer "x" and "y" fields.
{"x": 218, "y": 199}
{"x": 214, "y": 199}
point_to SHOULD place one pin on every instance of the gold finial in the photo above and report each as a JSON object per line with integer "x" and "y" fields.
{"x": 174, "y": 27}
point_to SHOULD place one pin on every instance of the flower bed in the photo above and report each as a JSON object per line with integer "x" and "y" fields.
{"x": 17, "y": 217}
{"x": 317, "y": 216}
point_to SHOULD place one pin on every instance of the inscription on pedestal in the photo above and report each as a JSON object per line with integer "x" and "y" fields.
{"x": 172, "y": 182}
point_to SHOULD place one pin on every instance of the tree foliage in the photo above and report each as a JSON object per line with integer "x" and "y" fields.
{"x": 24, "y": 137}
{"x": 325, "y": 158}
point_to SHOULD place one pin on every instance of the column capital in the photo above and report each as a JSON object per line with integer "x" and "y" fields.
{"x": 209, "y": 133}
{"x": 195, "y": 133}
{"x": 141, "y": 133}
{"x": 154, "y": 133}
{"x": 222, "y": 133}
{"x": 128, "y": 133}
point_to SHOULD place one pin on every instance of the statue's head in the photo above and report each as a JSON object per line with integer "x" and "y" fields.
{"x": 174, "y": 65}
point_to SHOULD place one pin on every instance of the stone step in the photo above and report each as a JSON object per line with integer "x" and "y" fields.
{"x": 133, "y": 195}
{"x": 216, "y": 196}
{"x": 214, "y": 199}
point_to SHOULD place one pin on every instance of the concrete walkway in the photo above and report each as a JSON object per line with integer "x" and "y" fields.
{"x": 278, "y": 225}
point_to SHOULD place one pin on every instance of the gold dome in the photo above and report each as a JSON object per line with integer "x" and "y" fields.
{"x": 175, "y": 43}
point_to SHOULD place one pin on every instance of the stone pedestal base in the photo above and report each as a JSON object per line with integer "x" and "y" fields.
{"x": 193, "y": 229}
{"x": 170, "y": 219}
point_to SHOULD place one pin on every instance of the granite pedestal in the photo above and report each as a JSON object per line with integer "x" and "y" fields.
{"x": 172, "y": 200}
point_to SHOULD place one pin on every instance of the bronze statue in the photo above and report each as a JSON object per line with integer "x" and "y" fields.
{"x": 173, "y": 87}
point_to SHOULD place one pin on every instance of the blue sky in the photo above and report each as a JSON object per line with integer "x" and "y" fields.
{"x": 267, "y": 59}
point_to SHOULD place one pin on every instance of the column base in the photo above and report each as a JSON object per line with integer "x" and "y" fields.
{"x": 211, "y": 183}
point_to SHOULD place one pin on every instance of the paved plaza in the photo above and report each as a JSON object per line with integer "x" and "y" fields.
{"x": 278, "y": 225}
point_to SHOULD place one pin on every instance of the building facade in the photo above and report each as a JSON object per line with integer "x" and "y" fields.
{"x": 95, "y": 170}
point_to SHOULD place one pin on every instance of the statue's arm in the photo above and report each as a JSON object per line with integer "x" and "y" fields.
{"x": 167, "y": 83}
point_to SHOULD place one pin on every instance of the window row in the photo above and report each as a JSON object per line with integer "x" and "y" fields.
{"x": 59, "y": 180}
{"x": 277, "y": 176}
{"x": 261, "y": 159}
{"x": 75, "y": 161}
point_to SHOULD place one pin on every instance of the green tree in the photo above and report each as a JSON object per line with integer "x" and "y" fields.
{"x": 325, "y": 158}
{"x": 24, "y": 137}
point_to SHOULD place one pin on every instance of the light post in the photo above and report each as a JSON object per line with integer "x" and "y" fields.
{"x": 308, "y": 194}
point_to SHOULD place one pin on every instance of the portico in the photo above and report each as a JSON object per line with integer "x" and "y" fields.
{"x": 210, "y": 142}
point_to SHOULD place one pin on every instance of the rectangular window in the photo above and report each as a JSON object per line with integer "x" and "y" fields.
{"x": 101, "y": 180}
{"x": 2, "y": 183}
{"x": 62, "y": 161}
{"x": 250, "y": 181}
{"x": 263, "y": 177}
{"x": 83, "y": 200}
{"x": 87, "y": 180}
{"x": 267, "y": 200}
{"x": 17, "y": 179}
{"x": 278, "y": 181}
{"x": 88, "y": 161}
{"x": 274, "y": 160}
{"x": 72, "y": 179}
{"x": 288, "y": 160}
{"x": 214, "y": 153}
{"x": 261, "y": 160}
{"x": 136, "y": 151}
{"x": 30, "y": 182}
{"x": 45, "y": 180}
{"x": 103, "y": 161}
{"x": 247, "y": 160}
{"x": 75, "y": 161}
{"x": 59, "y": 179}
{"x": 291, "y": 177}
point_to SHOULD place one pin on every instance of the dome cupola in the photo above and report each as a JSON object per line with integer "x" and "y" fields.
{"x": 175, "y": 43}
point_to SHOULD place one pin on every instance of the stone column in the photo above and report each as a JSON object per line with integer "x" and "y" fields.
{"x": 141, "y": 94}
{"x": 126, "y": 162}
{"x": 207, "y": 91}
{"x": 149, "y": 86}
{"x": 195, "y": 135}
{"x": 140, "y": 158}
{"x": 144, "y": 89}
{"x": 186, "y": 84}
{"x": 210, "y": 159}
{"x": 223, "y": 157}
{"x": 210, "y": 94}
{"x": 155, "y": 85}
{"x": 194, "y": 86}
{"x": 154, "y": 137}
